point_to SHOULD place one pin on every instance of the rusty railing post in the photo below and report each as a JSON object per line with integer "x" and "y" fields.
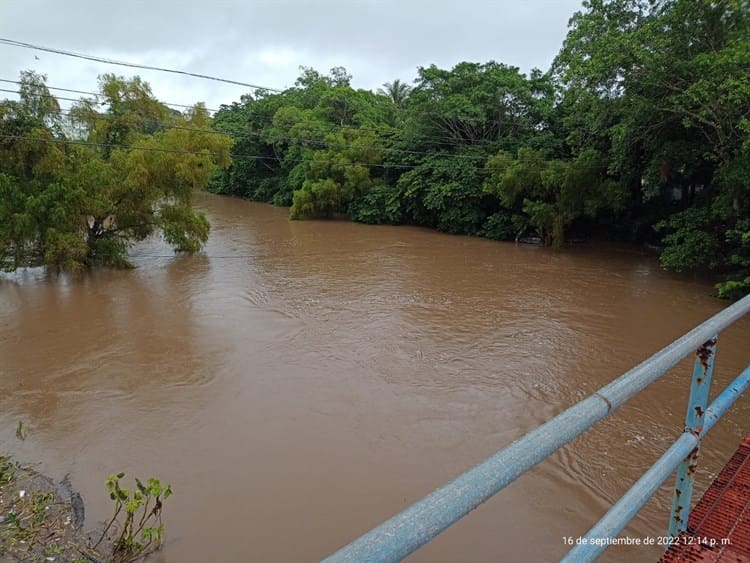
{"x": 697, "y": 403}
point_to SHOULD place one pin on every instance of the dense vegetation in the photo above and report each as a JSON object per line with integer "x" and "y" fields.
{"x": 640, "y": 131}
{"x": 76, "y": 188}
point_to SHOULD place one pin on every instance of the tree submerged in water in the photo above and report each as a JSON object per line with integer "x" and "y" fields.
{"x": 77, "y": 189}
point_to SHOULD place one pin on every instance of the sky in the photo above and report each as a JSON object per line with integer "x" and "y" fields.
{"x": 264, "y": 42}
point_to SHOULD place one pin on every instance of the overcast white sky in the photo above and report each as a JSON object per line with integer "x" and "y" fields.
{"x": 266, "y": 41}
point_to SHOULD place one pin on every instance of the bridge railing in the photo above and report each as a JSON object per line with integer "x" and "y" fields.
{"x": 405, "y": 532}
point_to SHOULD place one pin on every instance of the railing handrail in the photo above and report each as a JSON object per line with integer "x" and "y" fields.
{"x": 617, "y": 517}
{"x": 405, "y": 532}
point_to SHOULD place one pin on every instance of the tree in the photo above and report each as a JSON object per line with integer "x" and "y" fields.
{"x": 397, "y": 91}
{"x": 74, "y": 203}
{"x": 551, "y": 194}
{"x": 472, "y": 104}
{"x": 315, "y": 144}
{"x": 445, "y": 193}
{"x": 131, "y": 111}
{"x": 671, "y": 80}
{"x": 334, "y": 177}
{"x": 33, "y": 200}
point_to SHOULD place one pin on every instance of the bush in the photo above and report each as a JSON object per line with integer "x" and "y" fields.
{"x": 377, "y": 206}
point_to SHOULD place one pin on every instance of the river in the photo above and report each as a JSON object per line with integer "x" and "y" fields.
{"x": 299, "y": 382}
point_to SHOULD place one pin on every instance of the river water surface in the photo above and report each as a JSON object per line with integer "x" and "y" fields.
{"x": 299, "y": 382}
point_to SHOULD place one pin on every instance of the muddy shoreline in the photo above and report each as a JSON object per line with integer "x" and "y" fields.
{"x": 40, "y": 519}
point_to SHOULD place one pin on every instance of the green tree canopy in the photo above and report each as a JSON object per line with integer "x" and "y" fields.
{"x": 77, "y": 200}
{"x": 663, "y": 88}
{"x": 397, "y": 91}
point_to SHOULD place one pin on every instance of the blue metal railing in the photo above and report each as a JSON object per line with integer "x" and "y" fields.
{"x": 422, "y": 521}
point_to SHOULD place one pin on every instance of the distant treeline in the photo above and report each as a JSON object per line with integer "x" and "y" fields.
{"x": 640, "y": 131}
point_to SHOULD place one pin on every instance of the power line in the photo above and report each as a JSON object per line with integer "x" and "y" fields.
{"x": 381, "y": 131}
{"x": 42, "y": 95}
{"x": 183, "y": 151}
{"x": 318, "y": 142}
{"x": 487, "y": 169}
{"x": 12, "y": 42}
{"x": 131, "y": 65}
{"x": 198, "y": 153}
{"x": 89, "y": 94}
{"x": 269, "y": 118}
{"x": 321, "y": 143}
{"x": 50, "y": 87}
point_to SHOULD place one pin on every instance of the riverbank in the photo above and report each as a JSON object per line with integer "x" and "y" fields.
{"x": 40, "y": 520}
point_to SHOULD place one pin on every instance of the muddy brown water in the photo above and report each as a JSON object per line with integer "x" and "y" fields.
{"x": 300, "y": 382}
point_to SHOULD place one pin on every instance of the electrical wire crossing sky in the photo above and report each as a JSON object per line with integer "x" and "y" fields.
{"x": 189, "y": 53}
